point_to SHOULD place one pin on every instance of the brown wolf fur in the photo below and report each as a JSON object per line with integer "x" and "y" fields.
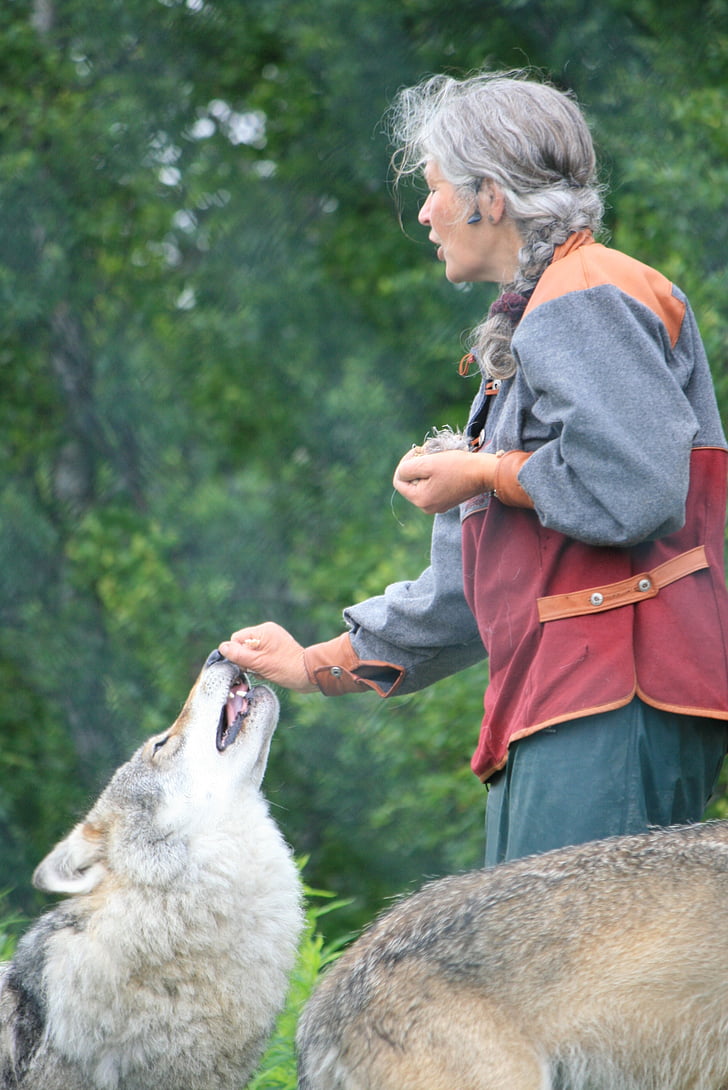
{"x": 600, "y": 967}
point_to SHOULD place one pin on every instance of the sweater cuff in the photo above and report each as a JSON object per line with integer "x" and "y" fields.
{"x": 506, "y": 485}
{"x": 335, "y": 668}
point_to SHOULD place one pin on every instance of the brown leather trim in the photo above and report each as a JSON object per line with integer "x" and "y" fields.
{"x": 574, "y": 717}
{"x": 335, "y": 668}
{"x": 628, "y": 591}
{"x": 682, "y": 709}
{"x": 556, "y": 721}
{"x": 506, "y": 485}
{"x": 597, "y": 266}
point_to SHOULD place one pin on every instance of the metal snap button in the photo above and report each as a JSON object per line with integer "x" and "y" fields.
{"x": 597, "y": 598}
{"x": 336, "y": 671}
{"x": 644, "y": 584}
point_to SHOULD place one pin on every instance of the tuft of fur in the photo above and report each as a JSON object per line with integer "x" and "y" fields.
{"x": 168, "y": 963}
{"x": 440, "y": 439}
{"x": 604, "y": 965}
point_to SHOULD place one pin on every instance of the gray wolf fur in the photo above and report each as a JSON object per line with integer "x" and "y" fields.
{"x": 167, "y": 965}
{"x": 600, "y": 967}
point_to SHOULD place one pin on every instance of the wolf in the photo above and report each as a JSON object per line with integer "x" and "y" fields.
{"x": 599, "y": 967}
{"x": 166, "y": 966}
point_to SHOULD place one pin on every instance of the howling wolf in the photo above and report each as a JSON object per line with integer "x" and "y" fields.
{"x": 600, "y": 967}
{"x": 167, "y": 965}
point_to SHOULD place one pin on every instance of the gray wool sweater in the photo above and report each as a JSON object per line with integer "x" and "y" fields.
{"x": 610, "y": 403}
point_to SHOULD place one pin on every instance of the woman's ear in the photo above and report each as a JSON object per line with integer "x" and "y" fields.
{"x": 494, "y": 202}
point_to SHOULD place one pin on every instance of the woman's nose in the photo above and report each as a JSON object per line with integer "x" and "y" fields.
{"x": 424, "y": 213}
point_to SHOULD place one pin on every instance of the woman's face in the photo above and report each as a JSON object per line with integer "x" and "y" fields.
{"x": 485, "y": 250}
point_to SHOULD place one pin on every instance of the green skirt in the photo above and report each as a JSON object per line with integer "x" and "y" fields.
{"x": 618, "y": 772}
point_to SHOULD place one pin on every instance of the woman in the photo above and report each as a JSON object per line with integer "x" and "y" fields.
{"x": 578, "y": 536}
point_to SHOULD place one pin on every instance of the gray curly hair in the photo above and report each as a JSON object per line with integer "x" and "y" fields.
{"x": 531, "y": 140}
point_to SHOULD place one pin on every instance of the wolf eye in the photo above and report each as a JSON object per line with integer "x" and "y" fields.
{"x": 159, "y": 743}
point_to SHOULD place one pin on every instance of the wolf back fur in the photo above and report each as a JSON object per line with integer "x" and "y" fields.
{"x": 601, "y": 967}
{"x": 168, "y": 963}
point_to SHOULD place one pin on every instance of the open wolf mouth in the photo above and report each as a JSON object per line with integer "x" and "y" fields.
{"x": 234, "y": 712}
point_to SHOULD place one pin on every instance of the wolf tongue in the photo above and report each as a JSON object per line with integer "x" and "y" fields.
{"x": 232, "y": 716}
{"x": 234, "y": 705}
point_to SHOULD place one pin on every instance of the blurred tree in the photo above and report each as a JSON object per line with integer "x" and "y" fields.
{"x": 216, "y": 343}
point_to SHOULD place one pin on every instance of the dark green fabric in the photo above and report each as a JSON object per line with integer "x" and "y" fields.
{"x": 618, "y": 772}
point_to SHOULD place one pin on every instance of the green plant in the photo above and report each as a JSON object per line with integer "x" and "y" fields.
{"x": 10, "y": 926}
{"x": 278, "y": 1067}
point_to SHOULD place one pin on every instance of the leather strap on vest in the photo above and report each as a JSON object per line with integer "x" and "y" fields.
{"x": 628, "y": 591}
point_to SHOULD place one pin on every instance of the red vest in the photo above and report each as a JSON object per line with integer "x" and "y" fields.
{"x": 573, "y": 629}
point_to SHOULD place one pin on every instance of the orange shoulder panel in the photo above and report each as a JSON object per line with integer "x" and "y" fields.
{"x": 582, "y": 263}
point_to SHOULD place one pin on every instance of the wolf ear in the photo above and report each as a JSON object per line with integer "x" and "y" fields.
{"x": 75, "y": 864}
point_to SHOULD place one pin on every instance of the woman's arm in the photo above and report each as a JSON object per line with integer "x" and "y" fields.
{"x": 603, "y": 379}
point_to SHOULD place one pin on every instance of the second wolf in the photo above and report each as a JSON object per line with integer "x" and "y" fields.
{"x": 166, "y": 967}
{"x": 601, "y": 967}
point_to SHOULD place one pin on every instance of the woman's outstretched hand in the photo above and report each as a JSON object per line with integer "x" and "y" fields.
{"x": 437, "y": 482}
{"x": 270, "y": 652}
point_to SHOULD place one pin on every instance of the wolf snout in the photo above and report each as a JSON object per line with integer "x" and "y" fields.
{"x": 213, "y": 657}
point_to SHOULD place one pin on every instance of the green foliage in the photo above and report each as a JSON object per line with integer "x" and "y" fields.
{"x": 216, "y": 343}
{"x": 10, "y": 925}
{"x": 277, "y": 1069}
